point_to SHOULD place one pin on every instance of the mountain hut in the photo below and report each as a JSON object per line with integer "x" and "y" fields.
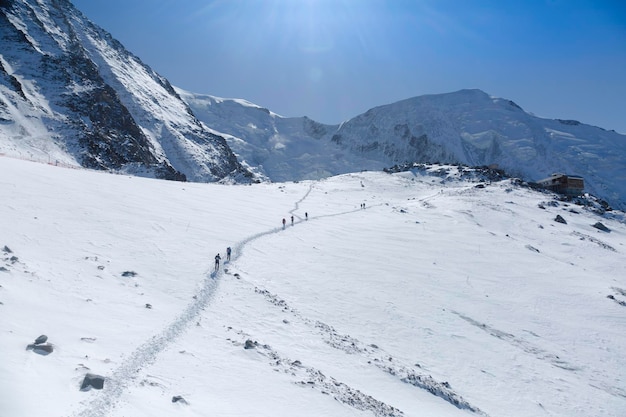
{"x": 569, "y": 185}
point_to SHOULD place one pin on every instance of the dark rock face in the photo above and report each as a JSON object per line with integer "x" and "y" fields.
{"x": 41, "y": 339}
{"x": 560, "y": 219}
{"x": 92, "y": 381}
{"x": 83, "y": 87}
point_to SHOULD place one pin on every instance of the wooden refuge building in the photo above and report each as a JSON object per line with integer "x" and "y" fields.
{"x": 569, "y": 185}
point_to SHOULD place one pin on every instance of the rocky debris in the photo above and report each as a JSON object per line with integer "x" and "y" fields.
{"x": 41, "y": 339}
{"x": 375, "y": 356}
{"x": 250, "y": 344}
{"x": 129, "y": 274}
{"x": 6, "y": 249}
{"x": 560, "y": 219}
{"x": 550, "y": 203}
{"x": 92, "y": 381}
{"x": 148, "y": 306}
{"x": 594, "y": 240}
{"x": 312, "y": 378}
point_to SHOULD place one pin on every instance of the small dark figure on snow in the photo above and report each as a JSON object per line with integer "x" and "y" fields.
{"x": 306, "y": 216}
{"x": 228, "y": 251}
{"x": 217, "y": 261}
{"x": 284, "y": 222}
{"x": 292, "y": 220}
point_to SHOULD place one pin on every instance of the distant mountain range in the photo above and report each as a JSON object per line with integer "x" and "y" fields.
{"x": 71, "y": 93}
{"x": 468, "y": 127}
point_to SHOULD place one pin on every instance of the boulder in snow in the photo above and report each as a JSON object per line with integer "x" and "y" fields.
{"x": 179, "y": 399}
{"x": 92, "y": 381}
{"x": 43, "y": 349}
{"x": 602, "y": 227}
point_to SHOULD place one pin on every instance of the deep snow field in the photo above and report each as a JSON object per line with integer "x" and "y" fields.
{"x": 437, "y": 299}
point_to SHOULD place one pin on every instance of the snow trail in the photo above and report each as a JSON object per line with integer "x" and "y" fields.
{"x": 147, "y": 353}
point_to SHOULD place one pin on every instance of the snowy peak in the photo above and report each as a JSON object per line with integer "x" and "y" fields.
{"x": 468, "y": 126}
{"x": 473, "y": 128}
{"x": 71, "y": 93}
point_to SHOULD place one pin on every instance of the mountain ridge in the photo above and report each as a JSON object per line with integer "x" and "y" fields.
{"x": 468, "y": 127}
{"x": 69, "y": 86}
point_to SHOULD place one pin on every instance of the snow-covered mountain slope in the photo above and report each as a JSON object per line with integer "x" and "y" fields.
{"x": 279, "y": 148}
{"x": 467, "y": 127}
{"x": 70, "y": 93}
{"x": 440, "y": 298}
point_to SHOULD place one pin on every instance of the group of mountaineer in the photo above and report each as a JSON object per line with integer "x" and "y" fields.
{"x": 218, "y": 257}
{"x": 306, "y": 217}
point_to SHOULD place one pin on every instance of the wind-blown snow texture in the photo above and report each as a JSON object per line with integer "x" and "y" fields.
{"x": 468, "y": 127}
{"x": 71, "y": 94}
{"x": 441, "y": 297}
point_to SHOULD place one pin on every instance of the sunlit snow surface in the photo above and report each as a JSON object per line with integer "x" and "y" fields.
{"x": 437, "y": 299}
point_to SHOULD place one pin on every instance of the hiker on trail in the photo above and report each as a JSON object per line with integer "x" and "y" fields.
{"x": 217, "y": 261}
{"x": 284, "y": 221}
{"x": 306, "y": 216}
{"x": 292, "y": 220}
{"x": 228, "y": 251}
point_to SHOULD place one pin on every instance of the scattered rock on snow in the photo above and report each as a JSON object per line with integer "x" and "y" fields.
{"x": 560, "y": 219}
{"x": 620, "y": 302}
{"x": 148, "y": 305}
{"x": 92, "y": 381}
{"x": 43, "y": 349}
{"x": 6, "y": 249}
{"x": 249, "y": 344}
{"x": 529, "y": 247}
{"x": 602, "y": 227}
{"x": 40, "y": 346}
{"x": 129, "y": 274}
{"x": 179, "y": 399}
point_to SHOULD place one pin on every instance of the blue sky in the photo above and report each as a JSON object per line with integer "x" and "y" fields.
{"x": 334, "y": 59}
